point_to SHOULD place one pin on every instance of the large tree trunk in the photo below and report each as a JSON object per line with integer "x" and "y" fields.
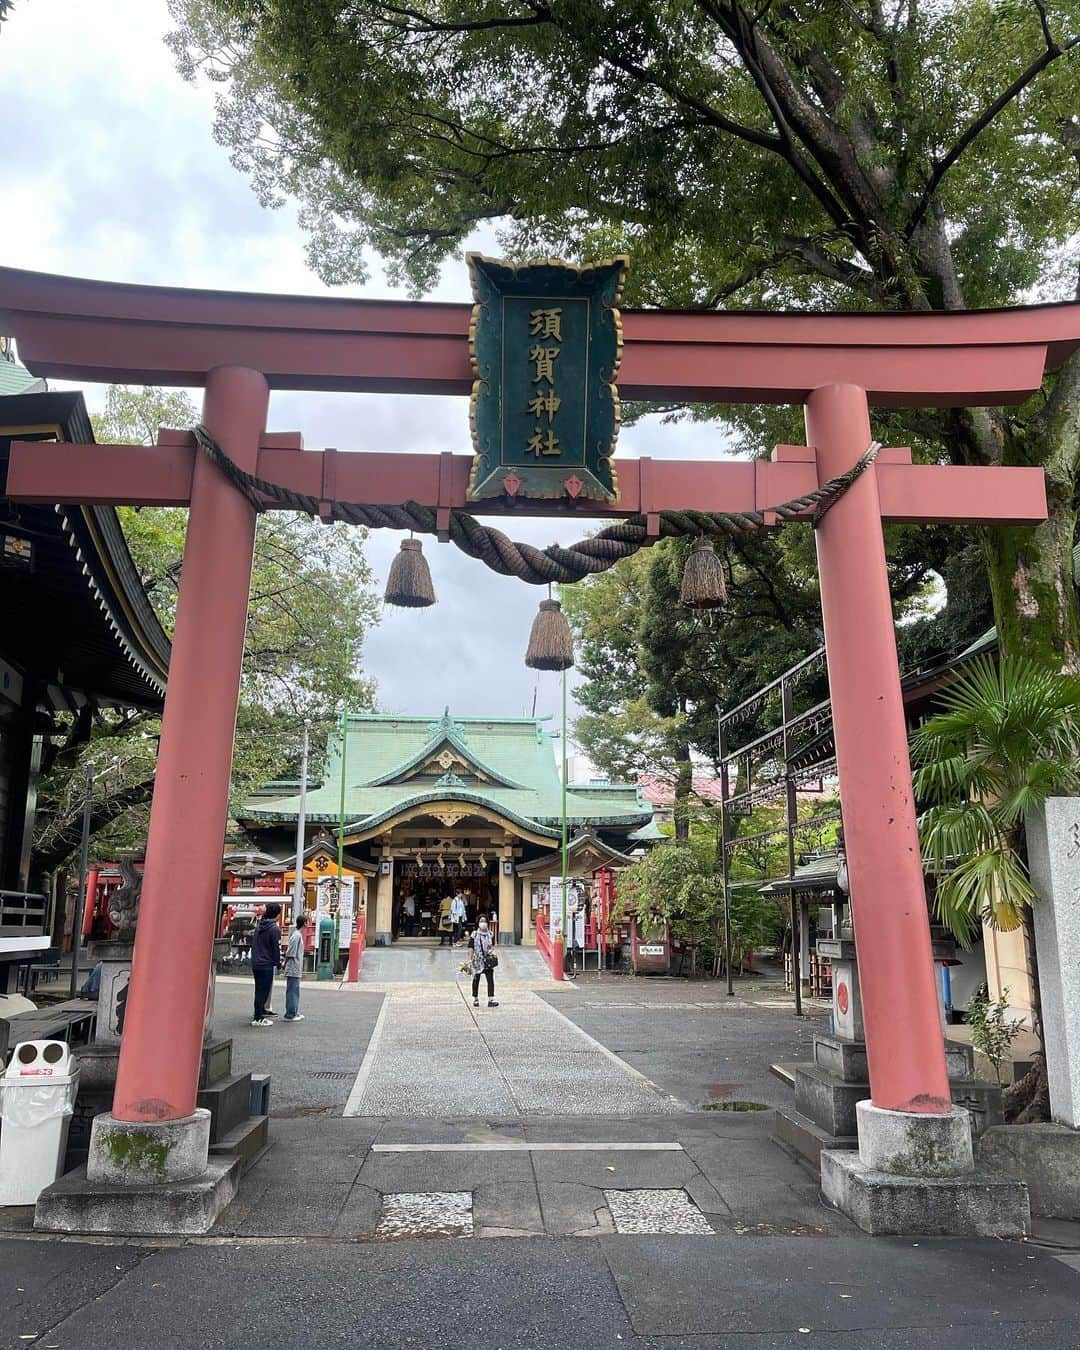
{"x": 1028, "y": 1099}
{"x": 1031, "y": 568}
{"x": 1030, "y": 575}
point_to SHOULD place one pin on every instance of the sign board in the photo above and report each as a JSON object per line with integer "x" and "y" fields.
{"x": 336, "y": 899}
{"x": 270, "y": 883}
{"x": 545, "y": 343}
{"x": 575, "y": 902}
{"x": 346, "y": 912}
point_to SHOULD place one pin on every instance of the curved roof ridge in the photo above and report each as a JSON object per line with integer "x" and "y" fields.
{"x": 449, "y": 794}
{"x": 446, "y": 733}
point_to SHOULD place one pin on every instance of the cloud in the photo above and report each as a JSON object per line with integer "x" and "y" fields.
{"x": 111, "y": 171}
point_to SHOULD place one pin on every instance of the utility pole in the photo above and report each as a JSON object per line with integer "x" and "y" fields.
{"x": 301, "y": 826}
{"x": 565, "y": 771}
{"x": 725, "y": 864}
{"x": 84, "y": 859}
{"x": 792, "y": 805}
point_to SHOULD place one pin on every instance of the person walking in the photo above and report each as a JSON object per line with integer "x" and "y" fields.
{"x": 446, "y": 923}
{"x": 457, "y": 917}
{"x": 294, "y": 970}
{"x": 408, "y": 908}
{"x": 483, "y": 963}
{"x": 265, "y": 959}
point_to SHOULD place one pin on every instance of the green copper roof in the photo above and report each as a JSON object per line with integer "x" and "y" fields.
{"x": 505, "y": 763}
{"x": 14, "y": 377}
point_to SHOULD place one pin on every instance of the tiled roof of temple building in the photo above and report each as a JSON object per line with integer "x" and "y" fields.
{"x": 507, "y": 763}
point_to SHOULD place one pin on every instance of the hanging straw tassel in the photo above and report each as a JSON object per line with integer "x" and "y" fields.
{"x": 703, "y": 584}
{"x": 409, "y": 582}
{"x": 551, "y": 646}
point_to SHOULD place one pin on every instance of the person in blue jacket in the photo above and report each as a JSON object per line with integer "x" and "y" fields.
{"x": 265, "y": 959}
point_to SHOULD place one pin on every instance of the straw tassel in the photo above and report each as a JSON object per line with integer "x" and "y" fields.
{"x": 703, "y": 585}
{"x": 551, "y": 645}
{"x": 409, "y": 583}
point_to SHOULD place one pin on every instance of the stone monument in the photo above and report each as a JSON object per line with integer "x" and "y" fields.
{"x": 1047, "y": 1155}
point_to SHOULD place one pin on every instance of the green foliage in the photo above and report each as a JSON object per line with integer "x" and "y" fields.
{"x": 883, "y": 154}
{"x": 1008, "y": 738}
{"x": 694, "y": 134}
{"x": 655, "y": 674}
{"x": 311, "y": 604}
{"x": 682, "y": 883}
{"x": 992, "y": 1030}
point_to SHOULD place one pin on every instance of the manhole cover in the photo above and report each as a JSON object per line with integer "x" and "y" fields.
{"x": 333, "y": 1073}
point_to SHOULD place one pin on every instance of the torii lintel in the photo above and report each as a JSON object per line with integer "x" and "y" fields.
{"x": 75, "y": 329}
{"x": 115, "y": 475}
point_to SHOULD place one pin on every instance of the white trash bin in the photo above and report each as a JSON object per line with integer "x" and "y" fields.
{"x": 37, "y": 1098}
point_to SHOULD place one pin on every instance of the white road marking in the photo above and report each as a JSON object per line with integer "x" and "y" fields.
{"x": 525, "y": 1146}
{"x": 352, "y": 1106}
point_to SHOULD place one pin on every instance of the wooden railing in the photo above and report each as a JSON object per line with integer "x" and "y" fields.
{"x": 23, "y": 914}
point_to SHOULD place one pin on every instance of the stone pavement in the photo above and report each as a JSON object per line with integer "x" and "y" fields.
{"x": 538, "y": 1176}
{"x": 529, "y": 1176}
{"x": 433, "y": 1054}
{"x": 421, "y": 960}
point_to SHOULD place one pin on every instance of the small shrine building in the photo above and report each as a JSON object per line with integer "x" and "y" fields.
{"x": 437, "y": 805}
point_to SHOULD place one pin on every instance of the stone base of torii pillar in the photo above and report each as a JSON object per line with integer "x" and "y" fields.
{"x": 894, "y": 1171}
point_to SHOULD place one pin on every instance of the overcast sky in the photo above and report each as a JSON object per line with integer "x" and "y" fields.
{"x": 109, "y": 170}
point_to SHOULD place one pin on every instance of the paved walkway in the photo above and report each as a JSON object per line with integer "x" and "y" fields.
{"x": 433, "y": 1054}
{"x": 423, "y": 961}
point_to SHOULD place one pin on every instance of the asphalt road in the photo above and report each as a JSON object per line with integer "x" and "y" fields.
{"x": 658, "y": 1293}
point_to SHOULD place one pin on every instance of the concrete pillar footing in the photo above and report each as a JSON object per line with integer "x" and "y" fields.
{"x": 915, "y": 1173}
{"x": 130, "y": 1152}
{"x": 911, "y": 1144}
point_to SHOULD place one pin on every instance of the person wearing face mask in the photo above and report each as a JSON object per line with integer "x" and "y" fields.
{"x": 483, "y": 962}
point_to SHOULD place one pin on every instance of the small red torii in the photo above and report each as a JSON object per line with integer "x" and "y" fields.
{"x": 241, "y": 346}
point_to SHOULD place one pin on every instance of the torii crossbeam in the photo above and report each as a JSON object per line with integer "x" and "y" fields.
{"x": 241, "y": 346}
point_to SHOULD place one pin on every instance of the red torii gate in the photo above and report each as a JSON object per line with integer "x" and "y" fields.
{"x": 239, "y": 346}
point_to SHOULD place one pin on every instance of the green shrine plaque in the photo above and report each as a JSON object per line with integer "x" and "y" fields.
{"x": 545, "y": 342}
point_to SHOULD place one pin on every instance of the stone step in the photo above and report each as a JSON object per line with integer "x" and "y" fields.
{"x": 260, "y": 1094}
{"x": 827, "y": 1100}
{"x": 798, "y": 1133}
{"x": 75, "y": 1205}
{"x": 785, "y": 1072}
{"x": 215, "y": 1063}
{"x": 229, "y": 1104}
{"x": 247, "y": 1141}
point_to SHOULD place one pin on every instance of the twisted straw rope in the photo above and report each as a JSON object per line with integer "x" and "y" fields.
{"x": 537, "y": 566}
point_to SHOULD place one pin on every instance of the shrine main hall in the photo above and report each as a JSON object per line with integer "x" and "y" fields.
{"x": 437, "y": 805}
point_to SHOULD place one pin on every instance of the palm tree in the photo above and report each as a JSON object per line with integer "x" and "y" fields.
{"x": 1007, "y": 738}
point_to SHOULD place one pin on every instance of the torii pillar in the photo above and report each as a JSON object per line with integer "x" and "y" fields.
{"x": 155, "y": 1133}
{"x": 835, "y": 365}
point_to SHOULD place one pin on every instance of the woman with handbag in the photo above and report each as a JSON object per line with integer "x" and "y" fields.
{"x": 483, "y": 962}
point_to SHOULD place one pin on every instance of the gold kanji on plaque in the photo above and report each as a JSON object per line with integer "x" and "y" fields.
{"x": 544, "y": 360}
{"x": 542, "y": 442}
{"x": 546, "y": 323}
{"x": 542, "y": 404}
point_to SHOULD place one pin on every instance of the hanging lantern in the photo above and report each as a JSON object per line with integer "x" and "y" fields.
{"x": 703, "y": 585}
{"x": 409, "y": 583}
{"x": 551, "y": 645}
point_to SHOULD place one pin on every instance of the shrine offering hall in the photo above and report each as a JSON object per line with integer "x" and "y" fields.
{"x": 455, "y": 803}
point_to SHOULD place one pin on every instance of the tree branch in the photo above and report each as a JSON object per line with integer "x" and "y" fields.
{"x": 66, "y": 840}
{"x": 817, "y": 258}
{"x": 429, "y": 25}
{"x": 978, "y": 125}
